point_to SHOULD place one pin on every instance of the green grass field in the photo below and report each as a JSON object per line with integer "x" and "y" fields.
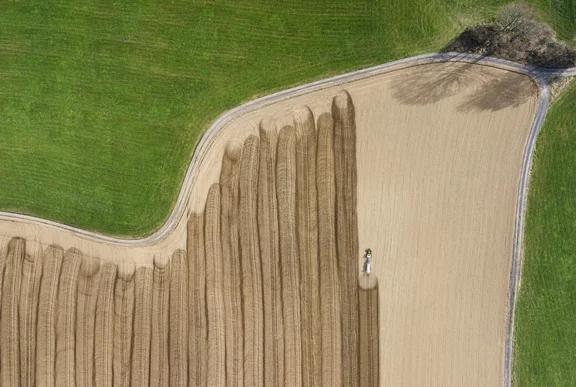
{"x": 101, "y": 104}
{"x": 545, "y": 352}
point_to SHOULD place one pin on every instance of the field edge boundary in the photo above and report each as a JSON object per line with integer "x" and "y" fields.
{"x": 539, "y": 75}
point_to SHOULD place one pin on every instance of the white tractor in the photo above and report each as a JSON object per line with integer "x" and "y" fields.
{"x": 367, "y": 269}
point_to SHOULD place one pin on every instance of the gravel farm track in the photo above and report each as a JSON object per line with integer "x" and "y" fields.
{"x": 203, "y": 215}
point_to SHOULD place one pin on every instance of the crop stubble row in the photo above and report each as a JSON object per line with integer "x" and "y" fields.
{"x": 266, "y": 294}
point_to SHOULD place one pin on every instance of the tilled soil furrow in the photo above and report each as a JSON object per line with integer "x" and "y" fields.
{"x": 123, "y": 316}
{"x": 369, "y": 338}
{"x": 104, "y": 327}
{"x": 307, "y": 226}
{"x": 286, "y": 194}
{"x": 66, "y": 319}
{"x": 270, "y": 257}
{"x": 347, "y": 232}
{"x": 31, "y": 274}
{"x": 214, "y": 290}
{"x": 88, "y": 282}
{"x": 229, "y": 178}
{"x": 179, "y": 320}
{"x": 10, "y": 359}
{"x": 198, "y": 325}
{"x": 3, "y": 255}
{"x": 265, "y": 295}
{"x": 140, "y": 373}
{"x": 251, "y": 268}
{"x": 329, "y": 279}
{"x": 159, "y": 359}
{"x": 47, "y": 307}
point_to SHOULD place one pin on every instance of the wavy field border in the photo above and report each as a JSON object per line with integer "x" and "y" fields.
{"x": 540, "y": 76}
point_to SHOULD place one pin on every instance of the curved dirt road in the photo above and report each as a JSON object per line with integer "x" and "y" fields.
{"x": 540, "y": 75}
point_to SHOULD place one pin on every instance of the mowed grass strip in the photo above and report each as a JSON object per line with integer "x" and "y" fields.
{"x": 101, "y": 104}
{"x": 545, "y": 338}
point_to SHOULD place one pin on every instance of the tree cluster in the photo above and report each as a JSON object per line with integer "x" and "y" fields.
{"x": 516, "y": 35}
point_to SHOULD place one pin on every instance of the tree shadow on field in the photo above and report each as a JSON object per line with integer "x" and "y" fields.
{"x": 437, "y": 82}
{"x": 497, "y": 93}
{"x": 442, "y": 80}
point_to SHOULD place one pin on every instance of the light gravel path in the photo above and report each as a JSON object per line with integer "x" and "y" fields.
{"x": 540, "y": 75}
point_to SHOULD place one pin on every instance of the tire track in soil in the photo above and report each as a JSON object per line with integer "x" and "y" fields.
{"x": 198, "y": 329}
{"x": 270, "y": 257}
{"x": 123, "y": 328}
{"x": 286, "y": 194}
{"x": 369, "y": 338}
{"x": 347, "y": 232}
{"x": 88, "y": 281}
{"x": 179, "y": 320}
{"x": 329, "y": 279}
{"x": 10, "y": 360}
{"x": 104, "y": 327}
{"x": 47, "y": 306}
{"x": 251, "y": 268}
{"x": 214, "y": 291}
{"x": 232, "y": 272}
{"x": 28, "y": 311}
{"x": 159, "y": 359}
{"x": 142, "y": 327}
{"x": 307, "y": 226}
{"x": 66, "y": 319}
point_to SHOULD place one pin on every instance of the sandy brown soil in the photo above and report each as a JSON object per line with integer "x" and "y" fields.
{"x": 421, "y": 164}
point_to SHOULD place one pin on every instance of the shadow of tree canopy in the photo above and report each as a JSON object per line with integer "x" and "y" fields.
{"x": 433, "y": 84}
{"x": 511, "y": 90}
{"x": 443, "y": 80}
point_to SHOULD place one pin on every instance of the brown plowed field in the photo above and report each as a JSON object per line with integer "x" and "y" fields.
{"x": 258, "y": 285}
